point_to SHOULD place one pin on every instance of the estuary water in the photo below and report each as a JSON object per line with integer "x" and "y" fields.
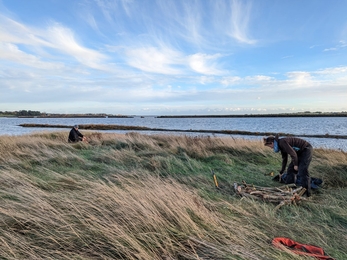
{"x": 291, "y": 125}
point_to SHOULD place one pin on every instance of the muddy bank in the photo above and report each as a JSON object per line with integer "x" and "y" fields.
{"x": 142, "y": 128}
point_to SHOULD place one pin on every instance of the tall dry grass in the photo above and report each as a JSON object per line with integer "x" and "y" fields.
{"x": 136, "y": 196}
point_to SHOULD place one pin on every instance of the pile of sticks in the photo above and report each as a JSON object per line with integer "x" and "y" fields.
{"x": 284, "y": 195}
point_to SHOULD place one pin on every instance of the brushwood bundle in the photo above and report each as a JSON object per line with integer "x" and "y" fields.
{"x": 283, "y": 195}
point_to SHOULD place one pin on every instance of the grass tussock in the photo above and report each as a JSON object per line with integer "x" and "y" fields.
{"x": 134, "y": 196}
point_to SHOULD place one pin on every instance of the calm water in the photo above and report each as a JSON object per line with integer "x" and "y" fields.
{"x": 295, "y": 125}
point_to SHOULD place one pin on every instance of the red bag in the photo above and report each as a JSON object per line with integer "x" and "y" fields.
{"x": 300, "y": 249}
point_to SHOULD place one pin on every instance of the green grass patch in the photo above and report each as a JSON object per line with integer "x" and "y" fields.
{"x": 139, "y": 196}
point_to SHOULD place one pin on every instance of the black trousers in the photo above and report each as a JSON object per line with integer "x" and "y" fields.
{"x": 304, "y": 160}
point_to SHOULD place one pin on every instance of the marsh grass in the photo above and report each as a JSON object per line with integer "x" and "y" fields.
{"x": 134, "y": 196}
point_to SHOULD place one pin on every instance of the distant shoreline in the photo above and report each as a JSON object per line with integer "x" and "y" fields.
{"x": 307, "y": 114}
{"x": 260, "y": 115}
{"x": 66, "y": 116}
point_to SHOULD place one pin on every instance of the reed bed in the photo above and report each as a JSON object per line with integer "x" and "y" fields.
{"x": 134, "y": 196}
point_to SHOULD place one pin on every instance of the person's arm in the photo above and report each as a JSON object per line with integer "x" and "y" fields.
{"x": 285, "y": 147}
{"x": 79, "y": 134}
{"x": 284, "y": 161}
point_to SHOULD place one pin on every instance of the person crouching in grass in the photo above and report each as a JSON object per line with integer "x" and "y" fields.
{"x": 300, "y": 152}
{"x": 75, "y": 135}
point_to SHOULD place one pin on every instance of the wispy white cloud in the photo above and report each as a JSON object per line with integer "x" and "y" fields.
{"x": 169, "y": 55}
{"x": 63, "y": 39}
{"x": 55, "y": 37}
{"x": 239, "y": 21}
{"x": 14, "y": 32}
{"x": 205, "y": 64}
{"x": 287, "y": 57}
{"x": 340, "y": 45}
{"x": 230, "y": 80}
{"x": 299, "y": 79}
{"x": 179, "y": 21}
{"x": 205, "y": 80}
{"x": 90, "y": 19}
{"x": 150, "y": 59}
{"x": 108, "y": 8}
{"x": 11, "y": 53}
{"x": 259, "y": 78}
{"x": 332, "y": 71}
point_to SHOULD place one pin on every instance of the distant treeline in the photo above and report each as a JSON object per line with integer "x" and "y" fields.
{"x": 30, "y": 113}
{"x": 20, "y": 113}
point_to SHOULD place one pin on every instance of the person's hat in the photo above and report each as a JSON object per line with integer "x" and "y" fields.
{"x": 269, "y": 140}
{"x": 75, "y": 126}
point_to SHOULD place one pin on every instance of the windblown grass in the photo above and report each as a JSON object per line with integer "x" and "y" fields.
{"x": 137, "y": 196}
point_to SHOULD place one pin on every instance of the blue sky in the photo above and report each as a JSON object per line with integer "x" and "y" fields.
{"x": 169, "y": 57}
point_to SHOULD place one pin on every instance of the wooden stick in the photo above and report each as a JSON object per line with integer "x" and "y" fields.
{"x": 287, "y": 186}
{"x": 302, "y": 192}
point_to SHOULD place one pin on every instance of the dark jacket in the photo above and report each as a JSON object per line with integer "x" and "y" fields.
{"x": 292, "y": 146}
{"x": 75, "y": 136}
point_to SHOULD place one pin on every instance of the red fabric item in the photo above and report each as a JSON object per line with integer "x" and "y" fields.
{"x": 300, "y": 249}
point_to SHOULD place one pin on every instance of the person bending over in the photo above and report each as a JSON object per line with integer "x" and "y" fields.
{"x": 75, "y": 135}
{"x": 300, "y": 152}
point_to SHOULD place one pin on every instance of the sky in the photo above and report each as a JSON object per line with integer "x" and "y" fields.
{"x": 173, "y": 57}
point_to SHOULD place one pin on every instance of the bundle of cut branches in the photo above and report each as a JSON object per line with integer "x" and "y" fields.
{"x": 283, "y": 195}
